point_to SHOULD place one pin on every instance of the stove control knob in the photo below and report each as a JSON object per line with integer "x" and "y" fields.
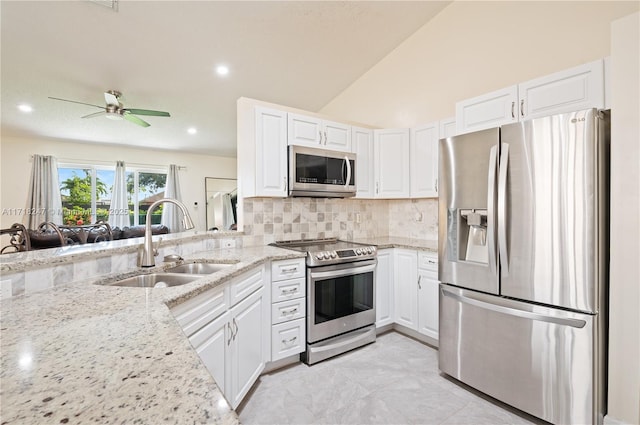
{"x": 359, "y": 251}
{"x": 369, "y": 250}
{"x": 319, "y": 256}
{"x": 333, "y": 254}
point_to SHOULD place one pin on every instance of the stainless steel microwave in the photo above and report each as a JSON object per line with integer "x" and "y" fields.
{"x": 321, "y": 173}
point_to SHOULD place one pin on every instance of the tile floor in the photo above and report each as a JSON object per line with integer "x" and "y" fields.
{"x": 393, "y": 381}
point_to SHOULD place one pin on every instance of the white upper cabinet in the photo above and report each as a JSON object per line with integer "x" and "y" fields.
{"x": 573, "y": 89}
{"x": 316, "y": 133}
{"x": 570, "y": 90}
{"x": 447, "y": 127}
{"x": 424, "y": 161}
{"x": 270, "y": 154}
{"x": 362, "y": 146}
{"x": 391, "y": 159}
{"x": 487, "y": 111}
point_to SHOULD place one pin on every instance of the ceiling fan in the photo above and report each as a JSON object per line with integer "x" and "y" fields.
{"x": 114, "y": 109}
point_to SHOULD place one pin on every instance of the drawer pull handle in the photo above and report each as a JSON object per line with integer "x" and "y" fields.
{"x": 289, "y": 291}
{"x": 289, "y": 341}
{"x": 289, "y": 270}
{"x": 292, "y": 311}
{"x": 432, "y": 262}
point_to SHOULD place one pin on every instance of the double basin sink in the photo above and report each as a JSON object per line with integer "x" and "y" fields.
{"x": 174, "y": 276}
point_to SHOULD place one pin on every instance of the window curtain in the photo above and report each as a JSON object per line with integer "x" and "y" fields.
{"x": 171, "y": 216}
{"x": 227, "y": 212}
{"x": 119, "y": 209}
{"x": 44, "y": 202}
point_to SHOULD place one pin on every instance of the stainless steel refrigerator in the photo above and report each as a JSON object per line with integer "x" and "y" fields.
{"x": 523, "y": 250}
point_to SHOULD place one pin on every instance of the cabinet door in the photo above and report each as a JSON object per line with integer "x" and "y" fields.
{"x": 447, "y": 127}
{"x": 424, "y": 161}
{"x": 570, "y": 90}
{"x": 362, "y": 144}
{"x": 211, "y": 344}
{"x": 247, "y": 357}
{"x": 406, "y": 288}
{"x": 304, "y": 131}
{"x": 384, "y": 288}
{"x": 392, "y": 153}
{"x": 337, "y": 136}
{"x": 271, "y": 152}
{"x": 487, "y": 111}
{"x": 428, "y": 303}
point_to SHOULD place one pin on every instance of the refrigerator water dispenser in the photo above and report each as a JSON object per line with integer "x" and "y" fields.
{"x": 473, "y": 233}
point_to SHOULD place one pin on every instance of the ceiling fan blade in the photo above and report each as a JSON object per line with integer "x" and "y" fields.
{"x": 95, "y": 114}
{"x": 111, "y": 99}
{"x": 75, "y": 101}
{"x": 132, "y": 118}
{"x": 148, "y": 112}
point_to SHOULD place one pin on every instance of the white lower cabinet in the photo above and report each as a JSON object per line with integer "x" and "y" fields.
{"x": 406, "y": 285}
{"x": 384, "y": 288}
{"x": 287, "y": 338}
{"x": 288, "y": 308}
{"x": 428, "y": 286}
{"x": 229, "y": 328}
{"x": 416, "y": 291}
{"x": 246, "y": 354}
{"x": 210, "y": 343}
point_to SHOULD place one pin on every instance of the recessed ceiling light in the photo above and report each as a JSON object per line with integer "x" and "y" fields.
{"x": 23, "y": 107}
{"x": 192, "y": 130}
{"x": 222, "y": 70}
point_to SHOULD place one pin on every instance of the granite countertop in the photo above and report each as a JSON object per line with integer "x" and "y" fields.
{"x": 90, "y": 353}
{"x": 400, "y": 242}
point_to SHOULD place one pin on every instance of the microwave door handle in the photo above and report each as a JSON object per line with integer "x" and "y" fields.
{"x": 346, "y": 183}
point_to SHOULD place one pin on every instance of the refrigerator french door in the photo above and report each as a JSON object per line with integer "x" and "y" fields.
{"x": 523, "y": 263}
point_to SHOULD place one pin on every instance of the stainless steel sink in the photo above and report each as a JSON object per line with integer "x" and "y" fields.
{"x": 199, "y": 268}
{"x": 157, "y": 280}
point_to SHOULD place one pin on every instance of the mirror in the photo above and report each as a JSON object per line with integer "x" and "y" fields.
{"x": 222, "y": 200}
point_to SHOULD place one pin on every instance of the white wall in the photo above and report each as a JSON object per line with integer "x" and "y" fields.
{"x": 16, "y": 167}
{"x": 472, "y": 48}
{"x": 624, "y": 325}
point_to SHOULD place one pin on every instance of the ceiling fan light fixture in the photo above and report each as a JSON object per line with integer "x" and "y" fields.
{"x": 115, "y": 116}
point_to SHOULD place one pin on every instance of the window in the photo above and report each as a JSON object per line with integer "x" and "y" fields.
{"x": 86, "y": 192}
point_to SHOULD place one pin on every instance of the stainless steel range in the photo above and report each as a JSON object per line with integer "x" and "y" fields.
{"x": 341, "y": 296}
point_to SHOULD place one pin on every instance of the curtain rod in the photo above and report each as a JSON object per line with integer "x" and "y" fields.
{"x": 100, "y": 162}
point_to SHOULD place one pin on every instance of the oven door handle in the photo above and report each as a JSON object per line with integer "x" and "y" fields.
{"x": 343, "y": 272}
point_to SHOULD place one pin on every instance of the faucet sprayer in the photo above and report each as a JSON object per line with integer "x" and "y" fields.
{"x": 148, "y": 251}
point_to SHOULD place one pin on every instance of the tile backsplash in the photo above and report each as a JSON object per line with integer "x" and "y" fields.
{"x": 272, "y": 219}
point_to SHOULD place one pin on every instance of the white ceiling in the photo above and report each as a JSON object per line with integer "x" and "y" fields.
{"x": 162, "y": 55}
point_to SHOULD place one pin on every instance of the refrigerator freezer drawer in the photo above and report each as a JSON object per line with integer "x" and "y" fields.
{"x": 541, "y": 360}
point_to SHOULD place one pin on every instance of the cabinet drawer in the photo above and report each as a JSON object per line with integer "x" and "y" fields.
{"x": 427, "y": 261}
{"x": 287, "y": 269}
{"x": 288, "y": 310}
{"x": 244, "y": 285}
{"x": 193, "y": 314}
{"x": 287, "y": 339}
{"x": 287, "y": 290}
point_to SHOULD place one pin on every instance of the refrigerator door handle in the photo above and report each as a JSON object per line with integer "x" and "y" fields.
{"x": 491, "y": 213}
{"x": 564, "y": 321}
{"x": 502, "y": 209}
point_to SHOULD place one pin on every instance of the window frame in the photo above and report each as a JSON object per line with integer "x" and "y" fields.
{"x": 94, "y": 166}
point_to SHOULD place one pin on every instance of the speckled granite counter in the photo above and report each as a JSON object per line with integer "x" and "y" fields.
{"x": 398, "y": 242}
{"x": 88, "y": 353}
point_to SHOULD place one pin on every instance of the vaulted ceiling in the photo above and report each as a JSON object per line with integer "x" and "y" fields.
{"x": 162, "y": 55}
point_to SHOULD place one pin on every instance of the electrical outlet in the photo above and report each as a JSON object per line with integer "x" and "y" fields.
{"x": 418, "y": 217}
{"x": 228, "y": 243}
{"x": 357, "y": 217}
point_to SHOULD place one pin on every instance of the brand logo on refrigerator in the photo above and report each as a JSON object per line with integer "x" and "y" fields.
{"x": 575, "y": 120}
